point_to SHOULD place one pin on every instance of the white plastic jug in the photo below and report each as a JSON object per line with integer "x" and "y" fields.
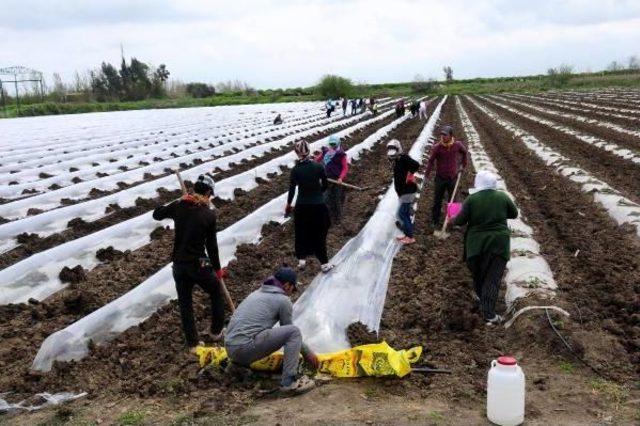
{"x": 505, "y": 392}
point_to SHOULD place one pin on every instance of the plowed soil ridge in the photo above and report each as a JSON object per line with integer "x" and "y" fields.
{"x": 145, "y": 358}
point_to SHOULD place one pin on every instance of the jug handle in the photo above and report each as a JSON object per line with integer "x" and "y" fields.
{"x": 494, "y": 363}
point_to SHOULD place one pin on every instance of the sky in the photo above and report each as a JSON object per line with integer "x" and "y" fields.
{"x": 292, "y": 43}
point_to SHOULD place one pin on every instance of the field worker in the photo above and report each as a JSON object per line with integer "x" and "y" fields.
{"x": 251, "y": 334}
{"x": 404, "y": 168}
{"x": 354, "y": 107}
{"x": 415, "y": 106}
{"x": 330, "y": 107}
{"x": 361, "y": 105}
{"x": 400, "y": 108}
{"x": 345, "y": 103}
{"x": 311, "y": 216}
{"x": 423, "y": 110}
{"x": 487, "y": 240}
{"x": 278, "y": 120}
{"x": 450, "y": 157}
{"x": 195, "y": 230}
{"x": 336, "y": 165}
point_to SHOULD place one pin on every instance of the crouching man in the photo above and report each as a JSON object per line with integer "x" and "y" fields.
{"x": 251, "y": 334}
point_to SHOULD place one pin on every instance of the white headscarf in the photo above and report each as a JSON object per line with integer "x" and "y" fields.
{"x": 485, "y": 180}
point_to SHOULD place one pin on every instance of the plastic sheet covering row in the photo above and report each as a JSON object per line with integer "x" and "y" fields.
{"x": 356, "y": 288}
{"x": 527, "y": 272}
{"x": 138, "y": 304}
{"x": 171, "y": 152}
{"x": 37, "y": 276}
{"x": 620, "y": 208}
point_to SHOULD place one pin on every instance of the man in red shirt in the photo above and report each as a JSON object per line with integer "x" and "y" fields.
{"x": 450, "y": 157}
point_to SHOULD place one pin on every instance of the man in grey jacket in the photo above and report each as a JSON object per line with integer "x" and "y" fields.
{"x": 251, "y": 335}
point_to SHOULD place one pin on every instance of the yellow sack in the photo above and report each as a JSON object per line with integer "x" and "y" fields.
{"x": 378, "y": 359}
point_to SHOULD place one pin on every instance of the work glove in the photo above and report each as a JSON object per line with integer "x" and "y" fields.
{"x": 288, "y": 210}
{"x": 411, "y": 178}
{"x": 221, "y": 273}
{"x": 312, "y": 360}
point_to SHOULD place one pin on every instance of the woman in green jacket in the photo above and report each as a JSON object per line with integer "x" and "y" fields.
{"x": 487, "y": 240}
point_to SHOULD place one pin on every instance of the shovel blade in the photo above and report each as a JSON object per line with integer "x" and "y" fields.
{"x": 442, "y": 235}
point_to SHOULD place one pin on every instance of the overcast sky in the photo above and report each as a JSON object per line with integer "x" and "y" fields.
{"x": 288, "y": 43}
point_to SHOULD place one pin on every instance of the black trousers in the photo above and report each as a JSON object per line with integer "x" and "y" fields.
{"x": 442, "y": 187}
{"x": 335, "y": 197}
{"x": 186, "y": 276}
{"x": 311, "y": 223}
{"x": 487, "y": 270}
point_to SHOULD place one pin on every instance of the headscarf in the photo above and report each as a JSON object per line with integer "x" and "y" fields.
{"x": 485, "y": 180}
{"x": 331, "y": 152}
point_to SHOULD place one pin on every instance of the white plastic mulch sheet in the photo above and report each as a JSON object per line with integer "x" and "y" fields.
{"x": 46, "y": 398}
{"x": 138, "y": 304}
{"x": 37, "y": 276}
{"x": 527, "y": 271}
{"x": 620, "y": 208}
{"x": 355, "y": 290}
{"x": 608, "y": 146}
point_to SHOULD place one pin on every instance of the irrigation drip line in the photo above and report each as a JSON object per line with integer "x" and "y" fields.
{"x": 579, "y": 358}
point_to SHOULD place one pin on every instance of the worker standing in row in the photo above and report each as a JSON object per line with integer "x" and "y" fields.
{"x": 404, "y": 169}
{"x": 344, "y": 106}
{"x": 423, "y": 110}
{"x": 310, "y": 216}
{"x": 336, "y": 165}
{"x": 487, "y": 240}
{"x": 195, "y": 231}
{"x": 450, "y": 158}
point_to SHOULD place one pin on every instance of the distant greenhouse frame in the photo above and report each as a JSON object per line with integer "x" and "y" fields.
{"x": 19, "y": 74}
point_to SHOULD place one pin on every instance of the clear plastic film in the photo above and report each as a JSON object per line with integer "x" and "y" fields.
{"x": 356, "y": 288}
{"x": 37, "y": 276}
{"x": 138, "y": 304}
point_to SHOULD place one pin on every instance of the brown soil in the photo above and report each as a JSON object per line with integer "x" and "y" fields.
{"x": 359, "y": 334}
{"x": 135, "y": 373}
{"x": 600, "y": 285}
{"x": 73, "y": 275}
{"x": 621, "y": 174}
{"x": 622, "y": 139}
{"x": 604, "y": 115}
{"x": 428, "y": 303}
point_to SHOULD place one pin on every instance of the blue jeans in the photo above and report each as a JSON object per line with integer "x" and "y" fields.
{"x": 404, "y": 215}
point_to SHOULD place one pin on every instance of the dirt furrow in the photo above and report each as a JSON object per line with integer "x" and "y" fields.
{"x": 619, "y": 173}
{"x": 556, "y": 105}
{"x": 624, "y": 140}
{"x": 149, "y": 360}
{"x": 594, "y": 260}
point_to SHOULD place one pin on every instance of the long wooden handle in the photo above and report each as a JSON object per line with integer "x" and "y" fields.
{"x": 346, "y": 185}
{"x": 227, "y": 296}
{"x": 182, "y": 185}
{"x": 453, "y": 197}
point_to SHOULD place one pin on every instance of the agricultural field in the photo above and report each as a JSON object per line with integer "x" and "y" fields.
{"x": 87, "y": 296}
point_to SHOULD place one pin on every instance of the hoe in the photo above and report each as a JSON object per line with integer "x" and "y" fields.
{"x": 442, "y": 234}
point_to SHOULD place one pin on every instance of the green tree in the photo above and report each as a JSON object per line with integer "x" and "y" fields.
{"x": 160, "y": 76}
{"x": 334, "y": 86}
{"x": 560, "y": 76}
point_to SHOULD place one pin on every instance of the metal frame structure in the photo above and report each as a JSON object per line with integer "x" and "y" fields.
{"x": 20, "y": 74}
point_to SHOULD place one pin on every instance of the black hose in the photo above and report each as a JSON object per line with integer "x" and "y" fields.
{"x": 553, "y": 327}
